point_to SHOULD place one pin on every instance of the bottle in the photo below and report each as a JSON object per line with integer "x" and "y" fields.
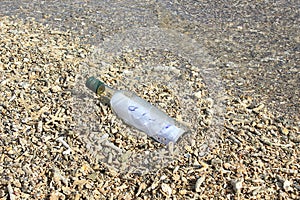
{"x": 140, "y": 114}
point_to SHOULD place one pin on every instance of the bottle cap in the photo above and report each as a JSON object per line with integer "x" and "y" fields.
{"x": 93, "y": 84}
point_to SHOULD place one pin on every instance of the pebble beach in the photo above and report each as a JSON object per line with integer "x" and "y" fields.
{"x": 229, "y": 71}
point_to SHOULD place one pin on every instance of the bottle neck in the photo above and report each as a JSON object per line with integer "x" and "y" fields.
{"x": 99, "y": 87}
{"x": 109, "y": 91}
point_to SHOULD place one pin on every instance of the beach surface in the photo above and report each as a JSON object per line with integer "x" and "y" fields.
{"x": 227, "y": 70}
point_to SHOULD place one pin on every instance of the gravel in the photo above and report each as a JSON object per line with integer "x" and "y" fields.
{"x": 236, "y": 85}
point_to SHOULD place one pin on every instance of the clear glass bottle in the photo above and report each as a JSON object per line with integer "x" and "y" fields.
{"x": 140, "y": 114}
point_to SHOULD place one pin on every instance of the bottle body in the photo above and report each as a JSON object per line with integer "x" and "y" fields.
{"x": 140, "y": 114}
{"x": 137, "y": 112}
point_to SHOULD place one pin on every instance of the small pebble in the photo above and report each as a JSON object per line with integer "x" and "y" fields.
{"x": 198, "y": 183}
{"x": 237, "y": 185}
{"x": 166, "y": 189}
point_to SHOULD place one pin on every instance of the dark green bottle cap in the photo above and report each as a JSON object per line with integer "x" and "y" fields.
{"x": 93, "y": 84}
